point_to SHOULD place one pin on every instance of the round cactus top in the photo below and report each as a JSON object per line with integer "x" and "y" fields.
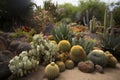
{"x": 52, "y": 63}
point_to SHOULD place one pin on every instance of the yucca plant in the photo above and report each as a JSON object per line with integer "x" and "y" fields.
{"x": 62, "y": 33}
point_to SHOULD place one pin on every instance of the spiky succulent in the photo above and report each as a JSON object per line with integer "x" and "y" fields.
{"x": 64, "y": 46}
{"x": 87, "y": 44}
{"x": 111, "y": 60}
{"x": 62, "y": 33}
{"x": 69, "y": 64}
{"x": 61, "y": 65}
{"x": 77, "y": 53}
{"x": 51, "y": 71}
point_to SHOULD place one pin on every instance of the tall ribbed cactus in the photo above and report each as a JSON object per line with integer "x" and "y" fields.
{"x": 93, "y": 25}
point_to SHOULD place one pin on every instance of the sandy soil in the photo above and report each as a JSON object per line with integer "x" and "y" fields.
{"x": 75, "y": 74}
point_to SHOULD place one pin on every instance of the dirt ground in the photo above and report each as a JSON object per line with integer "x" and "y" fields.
{"x": 75, "y": 74}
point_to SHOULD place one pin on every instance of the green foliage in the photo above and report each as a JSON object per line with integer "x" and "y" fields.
{"x": 67, "y": 11}
{"x": 116, "y": 15}
{"x": 15, "y": 13}
{"x": 89, "y": 8}
{"x": 110, "y": 42}
{"x": 62, "y": 33}
{"x": 87, "y": 44}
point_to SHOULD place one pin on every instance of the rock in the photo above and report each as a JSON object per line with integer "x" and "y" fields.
{"x": 99, "y": 68}
{"x": 14, "y": 45}
{"x": 24, "y": 46}
{"x": 3, "y": 44}
{"x": 86, "y": 66}
{"x": 5, "y": 57}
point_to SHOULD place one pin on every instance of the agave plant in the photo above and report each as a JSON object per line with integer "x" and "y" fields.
{"x": 111, "y": 43}
{"x": 62, "y": 33}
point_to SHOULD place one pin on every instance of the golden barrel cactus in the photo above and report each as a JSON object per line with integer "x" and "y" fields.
{"x": 64, "y": 46}
{"x": 61, "y": 65}
{"x": 77, "y": 53}
{"x": 111, "y": 60}
{"x": 51, "y": 71}
{"x": 69, "y": 64}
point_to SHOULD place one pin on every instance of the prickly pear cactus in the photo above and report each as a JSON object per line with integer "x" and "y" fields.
{"x": 77, "y": 53}
{"x": 64, "y": 46}
{"x": 111, "y": 60}
{"x": 22, "y": 64}
{"x": 61, "y": 65}
{"x": 52, "y": 71}
{"x": 98, "y": 57}
{"x": 69, "y": 64}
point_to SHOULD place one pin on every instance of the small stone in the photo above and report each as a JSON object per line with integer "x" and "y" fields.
{"x": 99, "y": 68}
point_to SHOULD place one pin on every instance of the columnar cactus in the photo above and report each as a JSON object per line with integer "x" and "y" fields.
{"x": 64, "y": 46}
{"x": 51, "y": 71}
{"x": 98, "y": 57}
{"x": 77, "y": 53}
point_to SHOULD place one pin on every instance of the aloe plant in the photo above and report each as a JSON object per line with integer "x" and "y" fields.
{"x": 62, "y": 33}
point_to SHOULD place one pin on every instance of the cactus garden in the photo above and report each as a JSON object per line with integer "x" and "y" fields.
{"x": 54, "y": 41}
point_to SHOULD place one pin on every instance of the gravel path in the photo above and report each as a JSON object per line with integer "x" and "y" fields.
{"x": 75, "y": 74}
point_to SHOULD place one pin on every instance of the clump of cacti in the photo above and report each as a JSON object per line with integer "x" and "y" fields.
{"x": 111, "y": 60}
{"x": 99, "y": 68}
{"x": 22, "y": 65}
{"x": 61, "y": 57}
{"x": 61, "y": 65}
{"x": 51, "y": 71}
{"x": 77, "y": 53}
{"x": 43, "y": 49}
{"x": 64, "y": 46}
{"x": 98, "y": 57}
{"x": 69, "y": 64}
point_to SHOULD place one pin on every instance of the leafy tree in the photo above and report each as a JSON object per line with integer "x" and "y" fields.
{"x": 116, "y": 13}
{"x": 14, "y": 13}
{"x": 69, "y": 11}
{"x": 89, "y": 8}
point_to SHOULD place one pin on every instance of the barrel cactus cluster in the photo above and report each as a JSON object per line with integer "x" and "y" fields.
{"x": 23, "y": 64}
